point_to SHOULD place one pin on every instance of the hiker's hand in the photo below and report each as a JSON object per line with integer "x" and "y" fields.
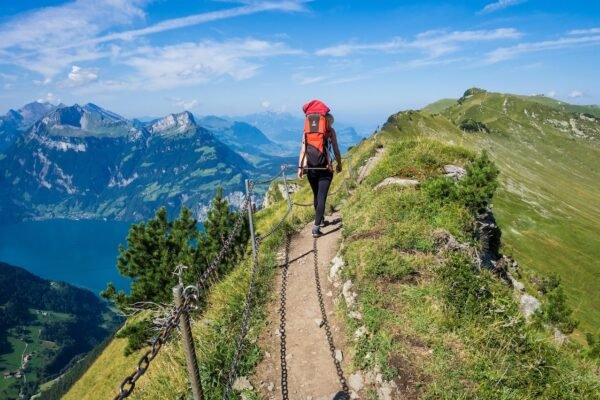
{"x": 338, "y": 167}
{"x": 300, "y": 173}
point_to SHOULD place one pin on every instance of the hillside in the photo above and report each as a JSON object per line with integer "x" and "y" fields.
{"x": 52, "y": 322}
{"x": 549, "y": 172}
{"x": 422, "y": 317}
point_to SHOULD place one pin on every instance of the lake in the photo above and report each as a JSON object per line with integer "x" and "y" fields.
{"x": 83, "y": 252}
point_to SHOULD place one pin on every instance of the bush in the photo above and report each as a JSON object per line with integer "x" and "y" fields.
{"x": 477, "y": 188}
{"x": 439, "y": 188}
{"x": 471, "y": 125}
{"x": 555, "y": 310}
{"x": 594, "y": 343}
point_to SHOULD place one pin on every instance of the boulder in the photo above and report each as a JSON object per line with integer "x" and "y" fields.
{"x": 397, "y": 181}
{"x": 454, "y": 171}
{"x": 348, "y": 294}
{"x": 528, "y": 305}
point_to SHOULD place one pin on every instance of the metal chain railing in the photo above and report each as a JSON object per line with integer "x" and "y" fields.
{"x": 328, "y": 333}
{"x": 243, "y": 330}
{"x": 190, "y": 297}
{"x": 282, "y": 317}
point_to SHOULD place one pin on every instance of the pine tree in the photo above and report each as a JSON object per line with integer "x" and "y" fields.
{"x": 154, "y": 249}
{"x": 218, "y": 227}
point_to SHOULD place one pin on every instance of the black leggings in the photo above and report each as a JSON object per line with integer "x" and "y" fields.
{"x": 319, "y": 182}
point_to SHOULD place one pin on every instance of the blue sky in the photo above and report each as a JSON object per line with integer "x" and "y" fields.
{"x": 366, "y": 59}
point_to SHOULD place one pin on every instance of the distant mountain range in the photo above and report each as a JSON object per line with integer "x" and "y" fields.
{"x": 88, "y": 162}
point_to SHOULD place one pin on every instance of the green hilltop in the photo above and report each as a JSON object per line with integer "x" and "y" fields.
{"x": 547, "y": 203}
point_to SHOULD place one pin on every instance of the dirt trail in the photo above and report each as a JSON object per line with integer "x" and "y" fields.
{"x": 310, "y": 366}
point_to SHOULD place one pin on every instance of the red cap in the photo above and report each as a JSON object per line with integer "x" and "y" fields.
{"x": 315, "y": 107}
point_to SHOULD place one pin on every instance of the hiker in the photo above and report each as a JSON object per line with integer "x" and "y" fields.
{"x": 315, "y": 156}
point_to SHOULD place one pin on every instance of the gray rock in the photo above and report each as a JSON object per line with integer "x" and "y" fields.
{"x": 349, "y": 295}
{"x": 387, "y": 390}
{"x": 397, "y": 181}
{"x": 528, "y": 305}
{"x": 356, "y": 381}
{"x": 454, "y": 171}
{"x": 355, "y": 315}
{"x": 271, "y": 387}
{"x": 360, "y": 332}
{"x": 338, "y": 264}
{"x": 339, "y": 356}
{"x": 319, "y": 322}
{"x": 242, "y": 383}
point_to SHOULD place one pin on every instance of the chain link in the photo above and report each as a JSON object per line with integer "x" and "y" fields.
{"x": 190, "y": 297}
{"x": 282, "y": 319}
{"x": 338, "y": 366}
{"x": 243, "y": 329}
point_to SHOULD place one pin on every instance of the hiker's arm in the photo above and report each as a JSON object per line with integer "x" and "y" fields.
{"x": 336, "y": 150}
{"x": 301, "y": 158}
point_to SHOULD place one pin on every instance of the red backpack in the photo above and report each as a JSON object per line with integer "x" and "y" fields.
{"x": 316, "y": 134}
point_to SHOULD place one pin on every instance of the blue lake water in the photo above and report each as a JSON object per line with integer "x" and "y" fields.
{"x": 82, "y": 253}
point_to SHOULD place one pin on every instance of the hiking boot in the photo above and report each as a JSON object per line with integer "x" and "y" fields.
{"x": 323, "y": 223}
{"x": 316, "y": 231}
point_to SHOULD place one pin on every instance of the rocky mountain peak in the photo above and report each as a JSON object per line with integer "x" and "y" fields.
{"x": 174, "y": 123}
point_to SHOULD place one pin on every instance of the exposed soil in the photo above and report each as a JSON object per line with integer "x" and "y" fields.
{"x": 310, "y": 366}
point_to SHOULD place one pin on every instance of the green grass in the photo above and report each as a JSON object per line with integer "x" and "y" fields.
{"x": 423, "y": 309}
{"x": 547, "y": 203}
{"x": 439, "y": 106}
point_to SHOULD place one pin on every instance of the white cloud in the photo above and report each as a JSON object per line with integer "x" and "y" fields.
{"x": 500, "y": 5}
{"x": 266, "y": 104}
{"x": 592, "y": 31}
{"x": 44, "y": 82}
{"x": 194, "y": 63}
{"x": 575, "y": 94}
{"x": 551, "y": 94}
{"x": 433, "y": 43}
{"x": 186, "y": 104}
{"x": 50, "y": 98}
{"x": 507, "y": 53}
{"x": 303, "y": 79}
{"x": 50, "y": 39}
{"x": 8, "y": 77}
{"x": 80, "y": 76}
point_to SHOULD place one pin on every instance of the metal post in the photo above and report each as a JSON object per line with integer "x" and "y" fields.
{"x": 251, "y": 220}
{"x": 188, "y": 346}
{"x": 287, "y": 189}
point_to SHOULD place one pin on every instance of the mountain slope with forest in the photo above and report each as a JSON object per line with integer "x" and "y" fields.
{"x": 87, "y": 162}
{"x": 51, "y": 323}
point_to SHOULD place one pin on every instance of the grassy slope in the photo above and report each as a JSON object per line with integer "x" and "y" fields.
{"x": 561, "y": 105}
{"x": 214, "y": 329}
{"x": 439, "y": 106}
{"x": 547, "y": 205}
{"x": 419, "y": 333}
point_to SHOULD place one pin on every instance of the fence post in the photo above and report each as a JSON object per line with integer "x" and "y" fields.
{"x": 287, "y": 189}
{"x": 188, "y": 346}
{"x": 251, "y": 220}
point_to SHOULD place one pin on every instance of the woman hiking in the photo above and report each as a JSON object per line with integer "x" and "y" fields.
{"x": 315, "y": 157}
